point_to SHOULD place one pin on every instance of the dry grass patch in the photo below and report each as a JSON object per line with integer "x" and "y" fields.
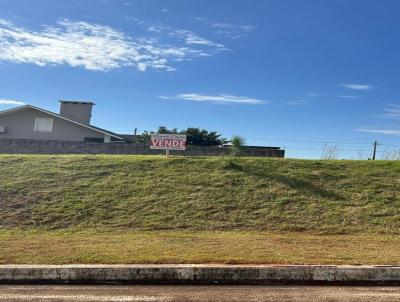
{"x": 38, "y": 247}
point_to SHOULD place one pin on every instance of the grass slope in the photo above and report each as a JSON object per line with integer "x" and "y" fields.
{"x": 199, "y": 194}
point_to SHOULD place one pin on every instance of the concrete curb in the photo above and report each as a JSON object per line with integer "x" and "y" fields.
{"x": 199, "y": 274}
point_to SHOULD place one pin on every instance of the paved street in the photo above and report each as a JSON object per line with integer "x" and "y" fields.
{"x": 197, "y": 293}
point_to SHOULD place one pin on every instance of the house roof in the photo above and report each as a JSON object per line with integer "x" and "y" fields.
{"x": 97, "y": 129}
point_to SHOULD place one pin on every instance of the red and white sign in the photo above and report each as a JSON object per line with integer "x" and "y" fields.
{"x": 168, "y": 141}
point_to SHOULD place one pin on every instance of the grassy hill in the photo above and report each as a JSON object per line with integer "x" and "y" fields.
{"x": 150, "y": 193}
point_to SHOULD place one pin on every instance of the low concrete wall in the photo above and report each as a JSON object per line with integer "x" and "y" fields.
{"x": 13, "y": 146}
{"x": 198, "y": 274}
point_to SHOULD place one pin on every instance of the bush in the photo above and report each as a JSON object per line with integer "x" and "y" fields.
{"x": 237, "y": 143}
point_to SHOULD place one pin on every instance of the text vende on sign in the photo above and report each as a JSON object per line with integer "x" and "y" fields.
{"x": 168, "y": 141}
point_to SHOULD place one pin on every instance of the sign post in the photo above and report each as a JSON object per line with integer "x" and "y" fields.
{"x": 168, "y": 142}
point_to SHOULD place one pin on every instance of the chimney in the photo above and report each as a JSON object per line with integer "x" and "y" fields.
{"x": 76, "y": 110}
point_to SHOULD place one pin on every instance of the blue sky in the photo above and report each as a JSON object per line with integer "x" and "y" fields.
{"x": 287, "y": 73}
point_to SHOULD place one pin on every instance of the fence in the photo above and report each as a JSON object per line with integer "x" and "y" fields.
{"x": 19, "y": 146}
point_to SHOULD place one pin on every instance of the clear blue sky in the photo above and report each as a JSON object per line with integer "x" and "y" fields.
{"x": 286, "y": 73}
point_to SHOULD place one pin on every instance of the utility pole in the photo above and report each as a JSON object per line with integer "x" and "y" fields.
{"x": 135, "y": 140}
{"x": 374, "y": 153}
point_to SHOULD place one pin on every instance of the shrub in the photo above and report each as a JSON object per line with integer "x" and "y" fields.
{"x": 237, "y": 143}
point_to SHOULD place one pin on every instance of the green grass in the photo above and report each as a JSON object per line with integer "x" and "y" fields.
{"x": 132, "y": 209}
{"x": 155, "y": 193}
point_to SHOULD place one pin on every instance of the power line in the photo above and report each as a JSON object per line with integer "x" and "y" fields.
{"x": 396, "y": 146}
{"x": 325, "y": 142}
{"x": 319, "y": 149}
{"x": 284, "y": 140}
{"x": 309, "y": 141}
{"x": 136, "y": 130}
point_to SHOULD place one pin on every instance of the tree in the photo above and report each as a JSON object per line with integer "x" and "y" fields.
{"x": 165, "y": 130}
{"x": 194, "y": 136}
{"x": 145, "y": 137}
{"x": 237, "y": 143}
{"x": 201, "y": 137}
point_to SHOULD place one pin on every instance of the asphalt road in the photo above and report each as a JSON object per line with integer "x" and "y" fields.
{"x": 197, "y": 293}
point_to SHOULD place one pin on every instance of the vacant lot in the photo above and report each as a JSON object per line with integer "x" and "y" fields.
{"x": 62, "y": 209}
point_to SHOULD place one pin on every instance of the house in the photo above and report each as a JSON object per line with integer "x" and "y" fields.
{"x": 71, "y": 124}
